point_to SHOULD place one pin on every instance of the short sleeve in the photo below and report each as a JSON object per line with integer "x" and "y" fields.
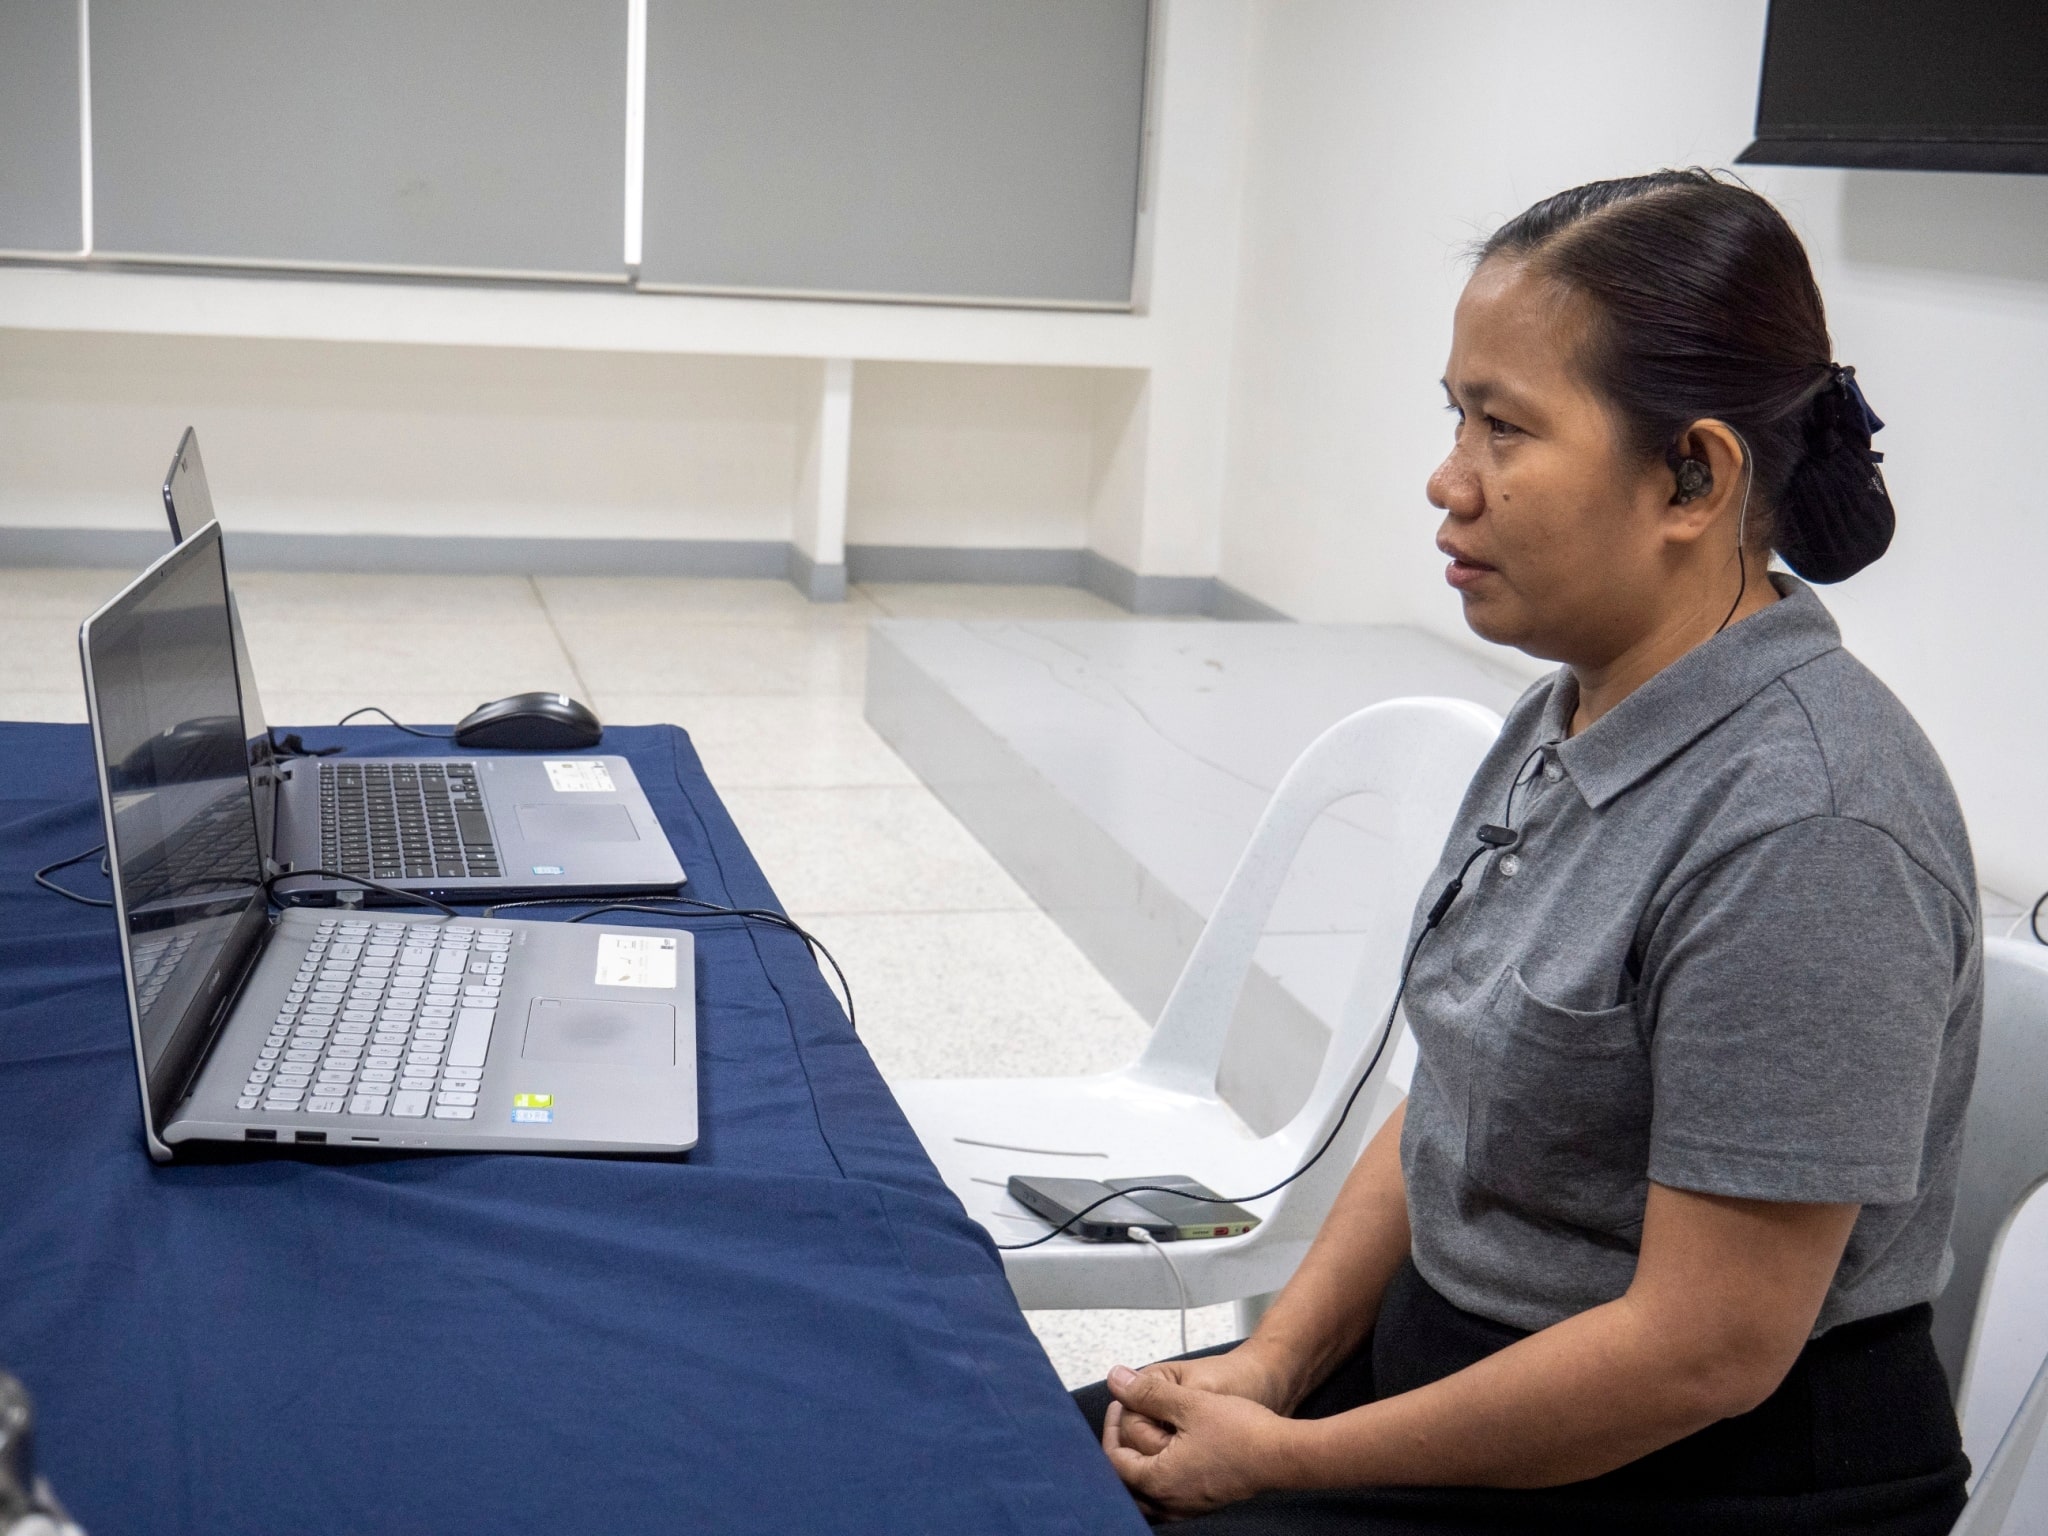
{"x": 1798, "y": 996}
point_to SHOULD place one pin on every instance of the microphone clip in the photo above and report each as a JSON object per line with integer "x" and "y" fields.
{"x": 1499, "y": 837}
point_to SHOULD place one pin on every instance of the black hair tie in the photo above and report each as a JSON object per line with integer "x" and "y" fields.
{"x": 1837, "y": 515}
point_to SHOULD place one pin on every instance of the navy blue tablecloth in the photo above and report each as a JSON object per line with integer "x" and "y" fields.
{"x": 794, "y": 1330}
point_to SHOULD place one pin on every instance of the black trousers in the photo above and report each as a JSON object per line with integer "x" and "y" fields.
{"x": 1860, "y": 1437}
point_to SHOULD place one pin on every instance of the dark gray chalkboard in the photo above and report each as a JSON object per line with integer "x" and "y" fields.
{"x": 459, "y": 135}
{"x": 924, "y": 148}
{"x": 39, "y": 130}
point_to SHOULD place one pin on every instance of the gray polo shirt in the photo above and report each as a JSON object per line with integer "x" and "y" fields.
{"x": 1736, "y": 952}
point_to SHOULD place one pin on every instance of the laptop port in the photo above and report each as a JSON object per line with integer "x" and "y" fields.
{"x": 259, "y": 1135}
{"x": 363, "y": 1138}
{"x": 309, "y": 1135}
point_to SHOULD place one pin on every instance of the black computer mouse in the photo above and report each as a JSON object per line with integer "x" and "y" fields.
{"x": 530, "y": 722}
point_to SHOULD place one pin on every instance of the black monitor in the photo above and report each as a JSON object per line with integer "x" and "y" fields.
{"x": 1916, "y": 85}
{"x": 181, "y": 820}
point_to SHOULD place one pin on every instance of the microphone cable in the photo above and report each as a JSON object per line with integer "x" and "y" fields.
{"x": 1493, "y": 838}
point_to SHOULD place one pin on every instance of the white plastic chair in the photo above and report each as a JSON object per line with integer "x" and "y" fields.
{"x": 2005, "y": 1159}
{"x": 1164, "y": 1113}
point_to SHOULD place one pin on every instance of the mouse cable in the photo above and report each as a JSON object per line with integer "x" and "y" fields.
{"x": 410, "y": 730}
{"x": 1140, "y": 1235}
{"x": 397, "y": 893}
{"x": 290, "y": 745}
{"x": 1492, "y": 839}
{"x": 2034, "y": 919}
{"x": 698, "y": 908}
{"x": 43, "y": 877}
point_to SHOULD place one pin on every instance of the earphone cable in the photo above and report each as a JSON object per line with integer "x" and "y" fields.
{"x": 1493, "y": 838}
{"x": 1741, "y": 533}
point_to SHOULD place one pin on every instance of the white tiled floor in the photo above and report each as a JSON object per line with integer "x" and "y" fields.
{"x": 956, "y": 972}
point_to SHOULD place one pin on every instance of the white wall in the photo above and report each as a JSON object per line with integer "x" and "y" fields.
{"x": 1195, "y": 179}
{"x": 1386, "y": 138}
{"x": 962, "y": 456}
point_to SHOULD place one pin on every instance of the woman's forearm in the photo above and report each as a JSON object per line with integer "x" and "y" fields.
{"x": 1574, "y": 1401}
{"x": 1326, "y": 1310}
{"x": 1725, "y": 1296}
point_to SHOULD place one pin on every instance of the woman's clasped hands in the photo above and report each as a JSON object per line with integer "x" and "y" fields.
{"x": 1188, "y": 1436}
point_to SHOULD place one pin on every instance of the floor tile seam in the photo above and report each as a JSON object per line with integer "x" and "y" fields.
{"x": 583, "y": 689}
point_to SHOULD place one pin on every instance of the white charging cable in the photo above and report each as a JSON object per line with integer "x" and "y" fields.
{"x": 1140, "y": 1235}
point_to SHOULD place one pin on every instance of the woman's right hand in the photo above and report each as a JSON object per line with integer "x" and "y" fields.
{"x": 1247, "y": 1371}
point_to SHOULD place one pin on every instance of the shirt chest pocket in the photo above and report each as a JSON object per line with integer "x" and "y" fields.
{"x": 1557, "y": 1115}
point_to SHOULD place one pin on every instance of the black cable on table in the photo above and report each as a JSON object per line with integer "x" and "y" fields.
{"x": 598, "y": 907}
{"x": 398, "y": 893}
{"x": 43, "y": 879}
{"x": 2034, "y": 919}
{"x": 410, "y": 730}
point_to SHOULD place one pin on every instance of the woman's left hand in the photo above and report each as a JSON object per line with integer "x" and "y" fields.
{"x": 1182, "y": 1451}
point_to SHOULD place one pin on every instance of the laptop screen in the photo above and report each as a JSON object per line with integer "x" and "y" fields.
{"x": 189, "y": 504}
{"x": 168, "y": 728}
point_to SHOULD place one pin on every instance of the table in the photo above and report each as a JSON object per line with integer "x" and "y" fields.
{"x": 796, "y": 1329}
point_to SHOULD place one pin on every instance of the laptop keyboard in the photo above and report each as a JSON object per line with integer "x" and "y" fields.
{"x": 384, "y": 1019}
{"x": 405, "y": 821}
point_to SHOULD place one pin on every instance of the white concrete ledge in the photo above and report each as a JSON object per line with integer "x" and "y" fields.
{"x": 334, "y": 307}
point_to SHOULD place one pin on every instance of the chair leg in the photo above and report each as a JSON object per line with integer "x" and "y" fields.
{"x": 1250, "y": 1309}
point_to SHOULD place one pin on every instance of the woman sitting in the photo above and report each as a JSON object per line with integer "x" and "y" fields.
{"x": 1650, "y": 1246}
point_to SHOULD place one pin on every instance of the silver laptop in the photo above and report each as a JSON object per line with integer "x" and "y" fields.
{"x": 332, "y": 1026}
{"x": 469, "y": 828}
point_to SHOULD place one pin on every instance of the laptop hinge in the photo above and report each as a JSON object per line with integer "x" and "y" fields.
{"x": 222, "y": 1013}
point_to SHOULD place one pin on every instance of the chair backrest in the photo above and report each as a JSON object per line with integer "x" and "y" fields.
{"x": 1417, "y": 755}
{"x": 2005, "y": 1140}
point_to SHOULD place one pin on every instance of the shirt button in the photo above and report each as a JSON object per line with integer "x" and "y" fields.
{"x": 1511, "y": 864}
{"x": 1551, "y": 770}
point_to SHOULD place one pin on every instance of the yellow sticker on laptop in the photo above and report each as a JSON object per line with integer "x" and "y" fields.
{"x": 579, "y": 776}
{"x": 533, "y": 1101}
{"x": 636, "y": 960}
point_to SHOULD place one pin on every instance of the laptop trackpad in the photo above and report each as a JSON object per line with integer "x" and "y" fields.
{"x": 577, "y": 824}
{"x": 605, "y": 1033}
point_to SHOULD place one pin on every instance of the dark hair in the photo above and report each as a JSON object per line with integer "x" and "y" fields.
{"x": 1703, "y": 304}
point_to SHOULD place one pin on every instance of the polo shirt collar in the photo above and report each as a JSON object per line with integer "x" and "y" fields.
{"x": 1691, "y": 696}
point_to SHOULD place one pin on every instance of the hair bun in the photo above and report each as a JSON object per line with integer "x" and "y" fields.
{"x": 1836, "y": 515}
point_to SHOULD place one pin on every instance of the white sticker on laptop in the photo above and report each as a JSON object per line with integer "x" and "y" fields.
{"x": 634, "y": 960}
{"x": 580, "y": 776}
